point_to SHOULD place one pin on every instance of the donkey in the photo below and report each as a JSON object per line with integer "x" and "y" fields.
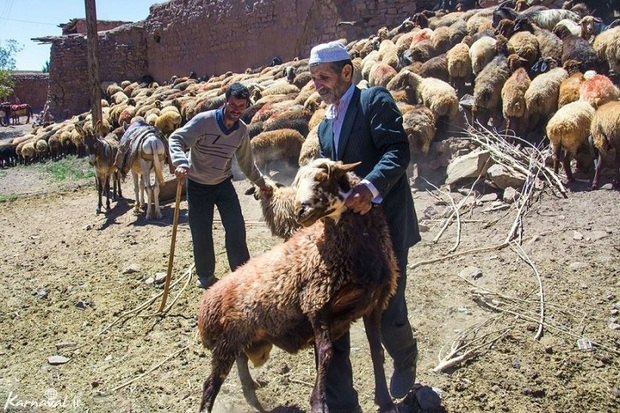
{"x": 19, "y": 110}
{"x": 101, "y": 154}
{"x": 142, "y": 151}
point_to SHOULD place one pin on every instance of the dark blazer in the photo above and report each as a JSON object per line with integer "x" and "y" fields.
{"x": 372, "y": 132}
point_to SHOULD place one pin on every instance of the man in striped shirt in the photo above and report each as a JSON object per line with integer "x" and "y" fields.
{"x": 213, "y": 138}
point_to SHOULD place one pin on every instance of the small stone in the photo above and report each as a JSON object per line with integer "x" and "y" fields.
{"x": 577, "y": 265}
{"x": 577, "y": 236}
{"x": 489, "y": 197}
{"x": 131, "y": 269}
{"x": 149, "y": 281}
{"x": 614, "y": 326}
{"x": 160, "y": 278}
{"x": 617, "y": 305}
{"x": 43, "y": 293}
{"x": 549, "y": 350}
{"x": 65, "y": 344}
{"x": 597, "y": 235}
{"x": 516, "y": 364}
{"x": 471, "y": 272}
{"x": 56, "y": 360}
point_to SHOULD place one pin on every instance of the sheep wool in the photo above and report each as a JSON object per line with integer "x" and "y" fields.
{"x": 567, "y": 130}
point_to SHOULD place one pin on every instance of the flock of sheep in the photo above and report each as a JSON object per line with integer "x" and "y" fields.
{"x": 534, "y": 71}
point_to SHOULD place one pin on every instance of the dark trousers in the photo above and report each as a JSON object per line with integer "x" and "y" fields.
{"x": 397, "y": 338}
{"x": 201, "y": 200}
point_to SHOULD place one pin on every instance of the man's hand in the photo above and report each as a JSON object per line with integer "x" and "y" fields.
{"x": 360, "y": 199}
{"x": 266, "y": 189}
{"x": 181, "y": 174}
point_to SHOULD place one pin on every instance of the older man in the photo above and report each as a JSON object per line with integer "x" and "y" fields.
{"x": 366, "y": 126}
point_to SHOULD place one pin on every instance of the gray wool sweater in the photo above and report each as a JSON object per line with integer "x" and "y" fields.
{"x": 211, "y": 150}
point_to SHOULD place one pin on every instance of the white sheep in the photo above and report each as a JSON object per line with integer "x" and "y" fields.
{"x": 541, "y": 98}
{"x": 481, "y": 52}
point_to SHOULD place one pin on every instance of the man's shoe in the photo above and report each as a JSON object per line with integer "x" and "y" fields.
{"x": 205, "y": 283}
{"x": 402, "y": 381}
{"x": 357, "y": 410}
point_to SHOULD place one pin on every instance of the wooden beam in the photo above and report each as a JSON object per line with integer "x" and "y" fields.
{"x": 93, "y": 63}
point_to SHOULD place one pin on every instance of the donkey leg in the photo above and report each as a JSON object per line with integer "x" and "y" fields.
{"x": 136, "y": 191}
{"x": 107, "y": 192}
{"x": 99, "y": 190}
{"x": 149, "y": 192}
{"x": 156, "y": 199}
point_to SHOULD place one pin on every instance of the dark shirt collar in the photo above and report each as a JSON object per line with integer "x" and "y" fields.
{"x": 219, "y": 115}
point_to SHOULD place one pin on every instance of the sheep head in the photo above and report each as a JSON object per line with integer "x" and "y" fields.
{"x": 322, "y": 188}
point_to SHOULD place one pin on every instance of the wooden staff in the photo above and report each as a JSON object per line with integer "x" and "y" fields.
{"x": 175, "y": 222}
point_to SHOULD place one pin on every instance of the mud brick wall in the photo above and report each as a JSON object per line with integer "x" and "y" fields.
{"x": 30, "y": 88}
{"x": 210, "y": 37}
{"x": 121, "y": 54}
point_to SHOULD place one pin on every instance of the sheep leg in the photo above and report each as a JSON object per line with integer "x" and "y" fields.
{"x": 247, "y": 383}
{"x": 597, "y": 172}
{"x": 325, "y": 351}
{"x": 372, "y": 324}
{"x": 557, "y": 152}
{"x": 616, "y": 182}
{"x": 567, "y": 169}
{"x": 220, "y": 367}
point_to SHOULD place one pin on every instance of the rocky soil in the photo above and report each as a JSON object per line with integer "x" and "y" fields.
{"x": 80, "y": 331}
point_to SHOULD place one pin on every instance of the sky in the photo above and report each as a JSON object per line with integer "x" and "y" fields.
{"x": 22, "y": 20}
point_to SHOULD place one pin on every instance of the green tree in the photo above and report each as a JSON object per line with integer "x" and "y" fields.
{"x": 46, "y": 67}
{"x": 8, "y": 48}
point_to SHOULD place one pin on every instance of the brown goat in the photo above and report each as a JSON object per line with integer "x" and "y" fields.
{"x": 307, "y": 290}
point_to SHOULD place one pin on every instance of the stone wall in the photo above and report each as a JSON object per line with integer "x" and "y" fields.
{"x": 30, "y": 88}
{"x": 211, "y": 37}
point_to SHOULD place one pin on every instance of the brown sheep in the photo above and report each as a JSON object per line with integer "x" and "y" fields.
{"x": 569, "y": 88}
{"x": 307, "y": 290}
{"x": 419, "y": 124}
{"x": 568, "y": 130}
{"x": 276, "y": 207}
{"x": 513, "y": 100}
{"x": 277, "y": 145}
{"x": 605, "y": 129}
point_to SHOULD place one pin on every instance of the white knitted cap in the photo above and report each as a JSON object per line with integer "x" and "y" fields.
{"x": 328, "y": 52}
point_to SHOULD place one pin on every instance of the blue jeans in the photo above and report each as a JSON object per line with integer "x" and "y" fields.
{"x": 397, "y": 338}
{"x": 201, "y": 200}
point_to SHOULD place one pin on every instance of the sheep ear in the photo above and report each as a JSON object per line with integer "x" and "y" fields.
{"x": 250, "y": 190}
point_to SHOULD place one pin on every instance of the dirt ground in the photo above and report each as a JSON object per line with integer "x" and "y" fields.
{"x": 73, "y": 283}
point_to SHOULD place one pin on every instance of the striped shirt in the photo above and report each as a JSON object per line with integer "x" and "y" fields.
{"x": 211, "y": 150}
